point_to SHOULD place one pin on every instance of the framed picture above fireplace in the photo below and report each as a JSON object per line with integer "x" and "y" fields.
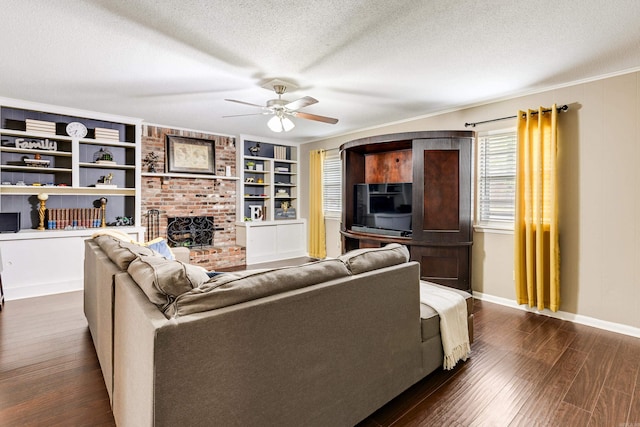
{"x": 190, "y": 155}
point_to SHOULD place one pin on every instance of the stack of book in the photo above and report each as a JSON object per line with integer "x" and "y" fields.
{"x": 108, "y": 134}
{"x": 282, "y": 169}
{"x": 280, "y": 152}
{"x": 40, "y": 126}
{"x": 59, "y": 219}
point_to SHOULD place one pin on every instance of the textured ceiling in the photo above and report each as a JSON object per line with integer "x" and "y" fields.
{"x": 367, "y": 62}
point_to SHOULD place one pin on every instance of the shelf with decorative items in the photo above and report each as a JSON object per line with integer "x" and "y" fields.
{"x": 271, "y": 228}
{"x": 257, "y": 191}
{"x": 285, "y": 187}
{"x": 64, "y": 174}
{"x": 73, "y": 156}
{"x": 269, "y": 180}
{"x": 107, "y": 167}
{"x": 27, "y": 158}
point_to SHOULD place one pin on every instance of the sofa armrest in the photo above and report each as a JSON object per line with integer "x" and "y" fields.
{"x": 99, "y": 271}
{"x": 136, "y": 321}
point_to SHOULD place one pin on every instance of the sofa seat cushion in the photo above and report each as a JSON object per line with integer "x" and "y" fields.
{"x": 362, "y": 260}
{"x": 429, "y": 318}
{"x": 164, "y": 280}
{"x": 122, "y": 252}
{"x": 236, "y": 287}
{"x": 430, "y": 326}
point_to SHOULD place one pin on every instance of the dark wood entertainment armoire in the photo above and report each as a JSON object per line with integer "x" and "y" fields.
{"x": 439, "y": 166}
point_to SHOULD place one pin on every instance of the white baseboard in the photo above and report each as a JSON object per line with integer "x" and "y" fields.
{"x": 563, "y": 315}
{"x": 42, "y": 289}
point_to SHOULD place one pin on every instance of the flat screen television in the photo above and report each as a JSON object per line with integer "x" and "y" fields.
{"x": 383, "y": 207}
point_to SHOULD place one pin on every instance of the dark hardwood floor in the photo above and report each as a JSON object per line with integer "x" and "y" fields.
{"x": 525, "y": 370}
{"x": 49, "y": 371}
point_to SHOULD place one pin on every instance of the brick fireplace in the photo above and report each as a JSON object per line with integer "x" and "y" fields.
{"x": 193, "y": 196}
{"x": 190, "y": 231}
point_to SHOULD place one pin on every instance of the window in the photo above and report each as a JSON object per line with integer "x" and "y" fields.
{"x": 497, "y": 179}
{"x": 332, "y": 184}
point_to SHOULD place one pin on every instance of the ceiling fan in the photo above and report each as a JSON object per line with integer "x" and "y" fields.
{"x": 281, "y": 109}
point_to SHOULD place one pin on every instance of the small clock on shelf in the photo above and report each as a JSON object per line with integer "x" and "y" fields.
{"x": 76, "y": 130}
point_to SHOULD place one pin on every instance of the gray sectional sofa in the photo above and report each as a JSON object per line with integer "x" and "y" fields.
{"x": 325, "y": 343}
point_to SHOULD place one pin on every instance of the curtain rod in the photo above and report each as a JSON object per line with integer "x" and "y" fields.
{"x": 560, "y": 109}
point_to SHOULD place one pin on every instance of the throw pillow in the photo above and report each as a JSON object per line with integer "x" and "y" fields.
{"x": 160, "y": 246}
{"x": 362, "y": 260}
{"x": 117, "y": 234}
{"x": 163, "y": 280}
{"x": 121, "y": 252}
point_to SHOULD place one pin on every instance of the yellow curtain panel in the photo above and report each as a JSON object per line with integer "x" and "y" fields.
{"x": 317, "y": 243}
{"x": 537, "y": 254}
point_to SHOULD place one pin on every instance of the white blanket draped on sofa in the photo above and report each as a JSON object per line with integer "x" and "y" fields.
{"x": 454, "y": 332}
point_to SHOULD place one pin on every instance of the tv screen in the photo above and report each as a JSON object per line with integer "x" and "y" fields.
{"x": 383, "y": 206}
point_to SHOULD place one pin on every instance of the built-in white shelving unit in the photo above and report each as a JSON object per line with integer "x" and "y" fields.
{"x": 270, "y": 226}
{"x": 74, "y": 173}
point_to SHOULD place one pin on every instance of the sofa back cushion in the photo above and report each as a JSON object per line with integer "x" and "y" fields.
{"x": 362, "y": 260}
{"x": 233, "y": 288}
{"x": 121, "y": 252}
{"x": 164, "y": 280}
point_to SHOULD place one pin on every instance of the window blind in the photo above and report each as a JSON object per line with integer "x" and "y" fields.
{"x": 332, "y": 184}
{"x": 497, "y": 178}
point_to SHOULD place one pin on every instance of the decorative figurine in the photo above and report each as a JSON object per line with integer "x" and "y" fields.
{"x": 43, "y": 200}
{"x": 151, "y": 160}
{"x": 255, "y": 150}
{"x": 123, "y": 221}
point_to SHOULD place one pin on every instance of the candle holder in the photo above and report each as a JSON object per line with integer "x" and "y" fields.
{"x": 103, "y": 207}
{"x": 41, "y": 210}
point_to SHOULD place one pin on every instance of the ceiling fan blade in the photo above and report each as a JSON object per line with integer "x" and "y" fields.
{"x": 245, "y": 103}
{"x": 300, "y": 103}
{"x": 315, "y": 117}
{"x": 241, "y": 115}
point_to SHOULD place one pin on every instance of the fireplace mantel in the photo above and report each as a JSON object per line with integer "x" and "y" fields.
{"x": 189, "y": 175}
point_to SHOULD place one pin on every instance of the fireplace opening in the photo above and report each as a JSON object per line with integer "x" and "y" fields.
{"x": 190, "y": 231}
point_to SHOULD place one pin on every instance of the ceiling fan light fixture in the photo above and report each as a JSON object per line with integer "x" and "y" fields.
{"x": 287, "y": 124}
{"x": 281, "y": 109}
{"x": 278, "y": 123}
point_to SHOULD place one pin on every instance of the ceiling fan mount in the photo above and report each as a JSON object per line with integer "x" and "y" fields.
{"x": 280, "y": 89}
{"x": 278, "y": 103}
{"x": 281, "y": 108}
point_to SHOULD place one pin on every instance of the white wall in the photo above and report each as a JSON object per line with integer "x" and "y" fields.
{"x": 599, "y": 190}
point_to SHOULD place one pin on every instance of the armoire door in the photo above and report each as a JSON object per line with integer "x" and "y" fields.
{"x": 442, "y": 190}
